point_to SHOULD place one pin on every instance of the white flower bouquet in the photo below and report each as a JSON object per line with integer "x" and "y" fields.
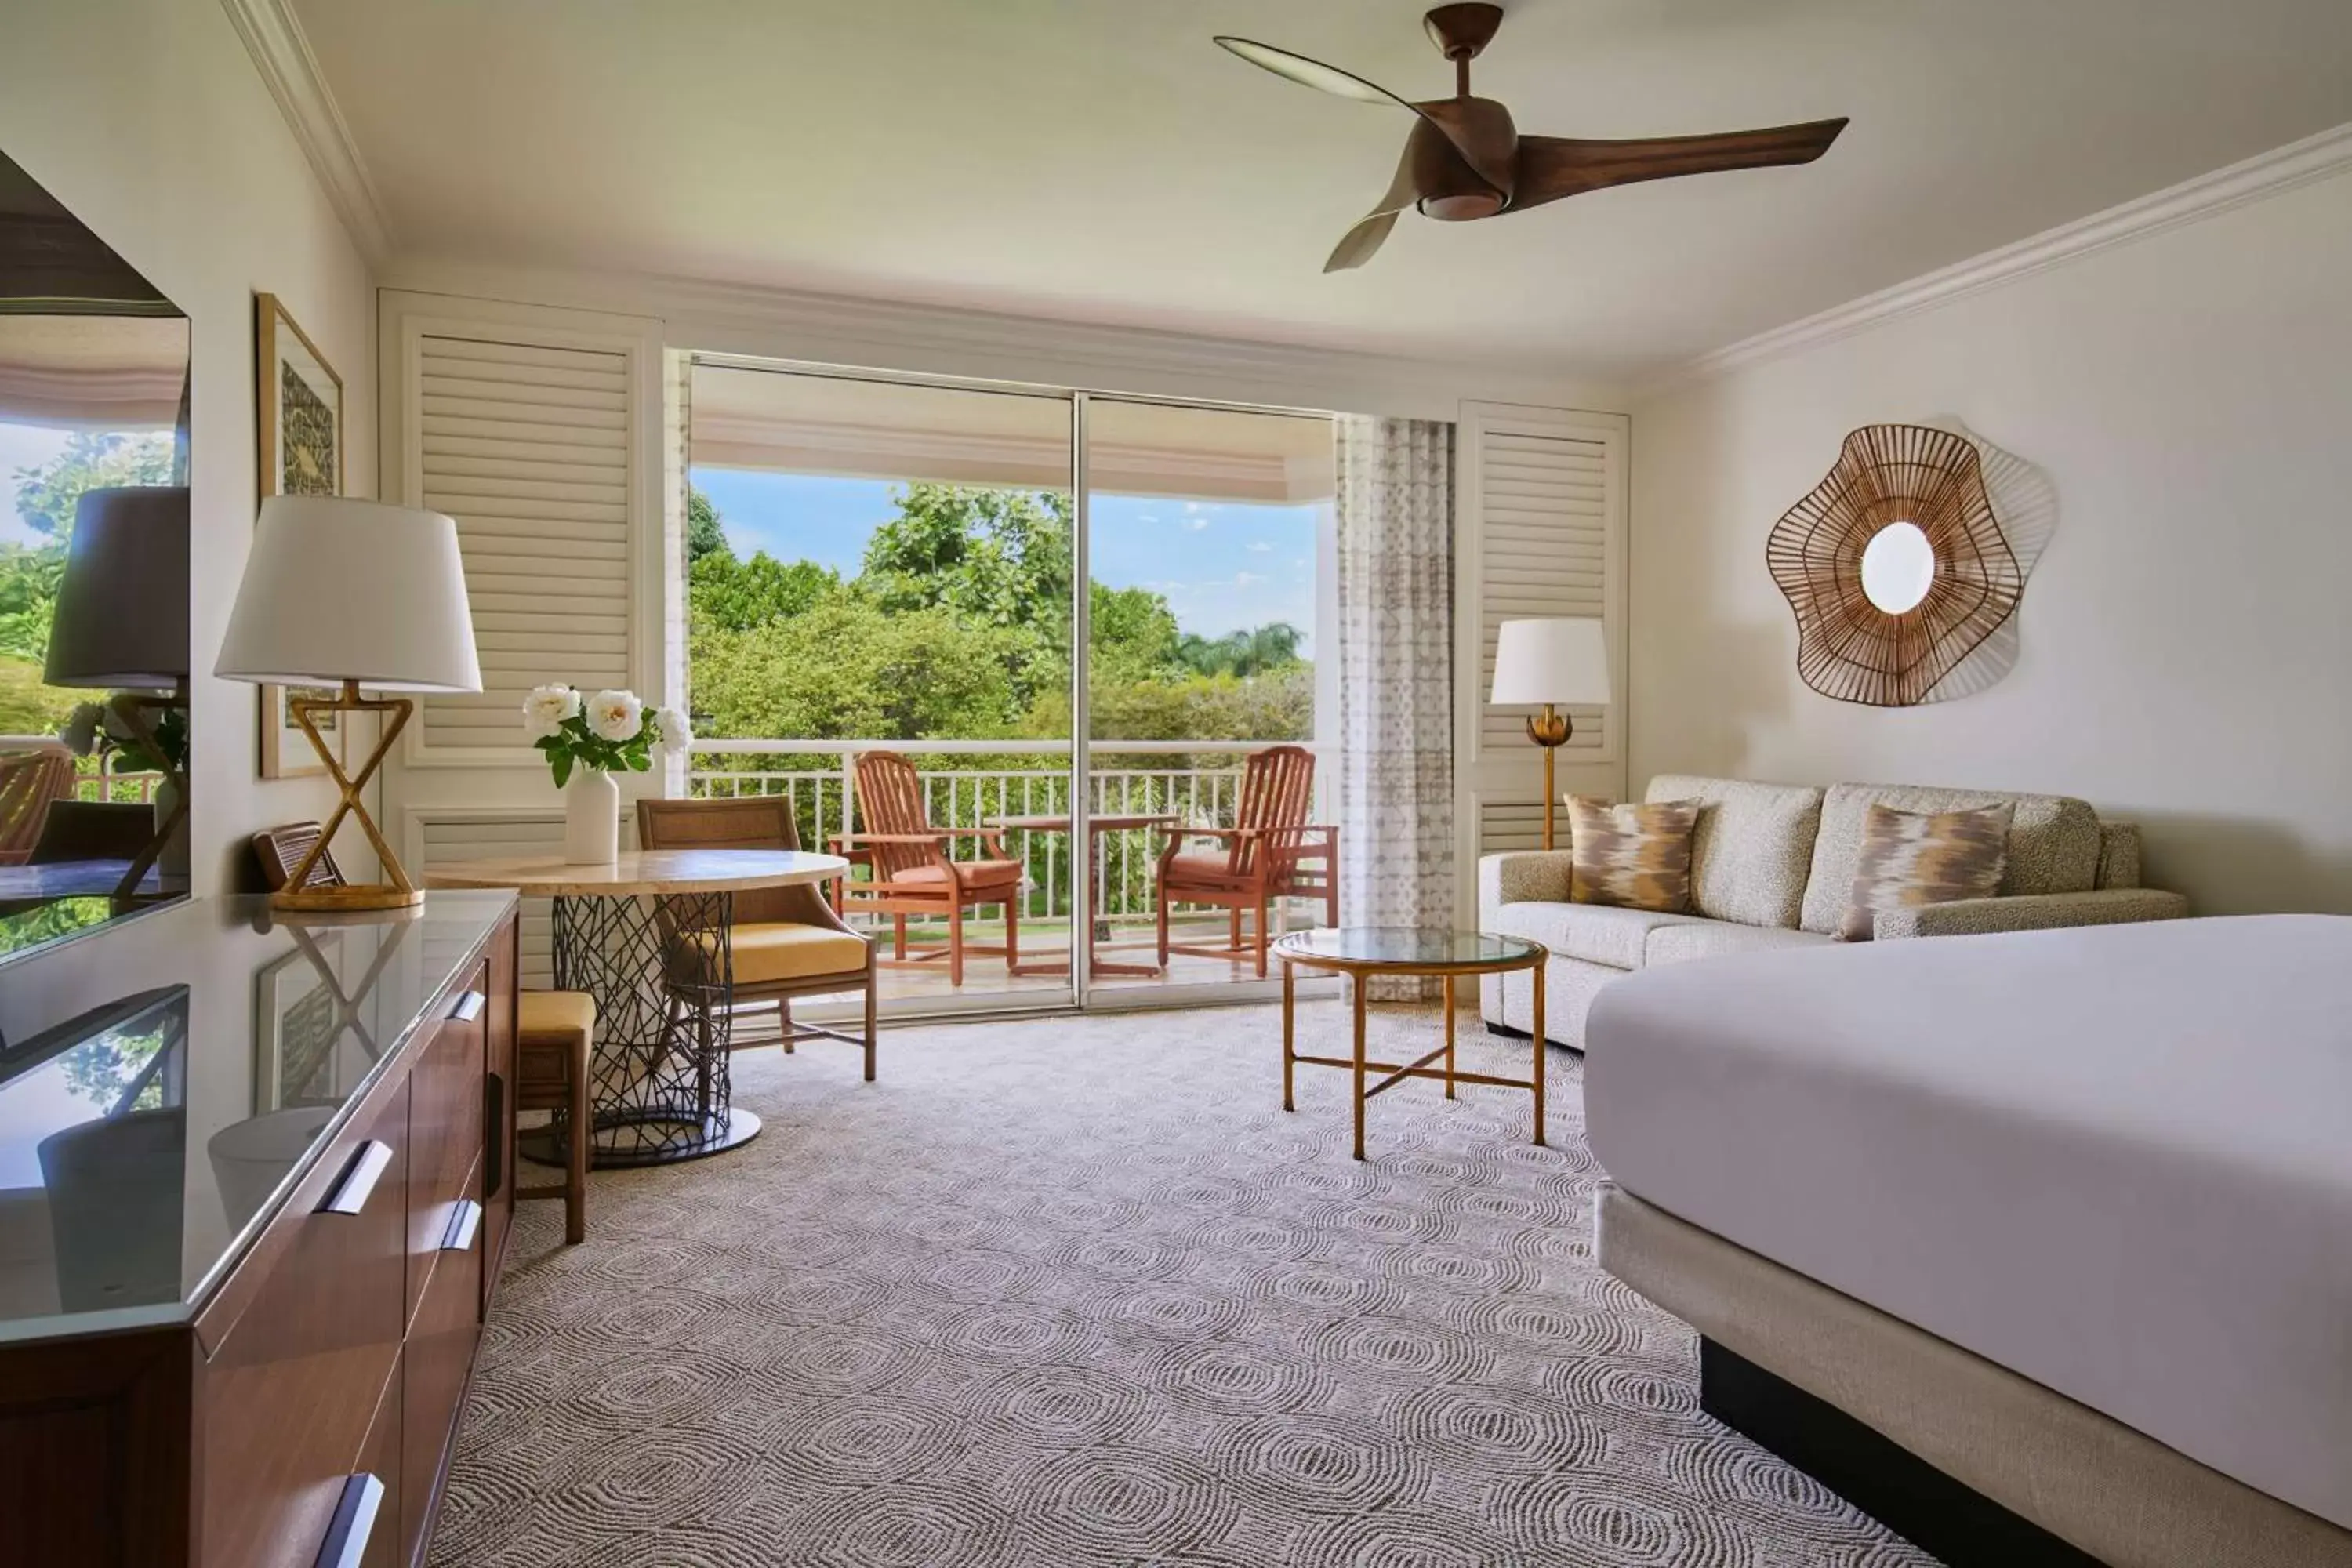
{"x": 610, "y": 731}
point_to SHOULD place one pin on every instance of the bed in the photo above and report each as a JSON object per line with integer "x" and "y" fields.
{"x": 2106, "y": 1169}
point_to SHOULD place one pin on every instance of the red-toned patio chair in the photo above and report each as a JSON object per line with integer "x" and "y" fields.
{"x": 1272, "y": 852}
{"x": 910, "y": 872}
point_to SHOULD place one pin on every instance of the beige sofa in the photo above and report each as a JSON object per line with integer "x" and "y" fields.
{"x": 1770, "y": 867}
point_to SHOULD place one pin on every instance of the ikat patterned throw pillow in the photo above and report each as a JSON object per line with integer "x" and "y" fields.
{"x": 1911, "y": 857}
{"x": 1636, "y": 856}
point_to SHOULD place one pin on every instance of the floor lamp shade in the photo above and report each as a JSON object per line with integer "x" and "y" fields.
{"x": 338, "y": 590}
{"x": 1555, "y": 663}
{"x": 1563, "y": 661}
{"x": 122, "y": 615}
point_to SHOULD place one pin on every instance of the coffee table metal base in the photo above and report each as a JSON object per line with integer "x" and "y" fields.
{"x": 1438, "y": 1065}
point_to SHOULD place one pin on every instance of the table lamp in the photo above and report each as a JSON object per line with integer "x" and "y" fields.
{"x": 351, "y": 594}
{"x": 122, "y": 623}
{"x": 1555, "y": 663}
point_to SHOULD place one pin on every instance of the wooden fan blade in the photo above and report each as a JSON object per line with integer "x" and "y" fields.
{"x": 1310, "y": 73}
{"x": 1357, "y": 245}
{"x": 1551, "y": 167}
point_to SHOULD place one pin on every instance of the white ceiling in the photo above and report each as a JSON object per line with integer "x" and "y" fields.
{"x": 1099, "y": 159}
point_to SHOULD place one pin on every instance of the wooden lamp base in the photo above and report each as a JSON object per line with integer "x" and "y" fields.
{"x": 1549, "y": 729}
{"x": 395, "y": 891}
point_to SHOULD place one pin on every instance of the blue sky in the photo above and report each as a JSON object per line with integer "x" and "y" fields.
{"x": 1222, "y": 565}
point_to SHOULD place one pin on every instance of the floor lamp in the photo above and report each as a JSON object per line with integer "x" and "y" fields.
{"x": 1554, "y": 664}
{"x": 122, "y": 623}
{"x": 351, "y": 594}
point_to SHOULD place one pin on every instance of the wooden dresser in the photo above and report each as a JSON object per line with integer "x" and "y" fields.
{"x": 272, "y": 1171}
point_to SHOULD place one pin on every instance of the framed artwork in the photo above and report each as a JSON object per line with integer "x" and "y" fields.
{"x": 299, "y": 420}
{"x": 294, "y": 1029}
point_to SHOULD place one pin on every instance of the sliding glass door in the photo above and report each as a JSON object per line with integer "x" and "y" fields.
{"x": 1205, "y": 534}
{"x": 879, "y": 628}
{"x": 884, "y": 627}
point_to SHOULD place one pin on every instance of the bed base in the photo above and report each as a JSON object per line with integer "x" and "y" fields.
{"x": 1885, "y": 1480}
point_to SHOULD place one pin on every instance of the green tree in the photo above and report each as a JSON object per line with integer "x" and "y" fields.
{"x": 1255, "y": 651}
{"x": 705, "y": 535}
{"x": 48, "y": 492}
{"x": 1133, "y": 634}
{"x": 29, "y": 598}
{"x": 730, "y": 594}
{"x": 847, "y": 669}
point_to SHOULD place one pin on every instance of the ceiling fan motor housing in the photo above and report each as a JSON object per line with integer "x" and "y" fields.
{"x": 1462, "y": 158}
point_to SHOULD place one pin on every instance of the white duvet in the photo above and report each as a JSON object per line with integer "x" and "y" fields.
{"x": 2117, "y": 1160}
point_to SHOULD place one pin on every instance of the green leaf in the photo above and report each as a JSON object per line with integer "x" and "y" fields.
{"x": 563, "y": 769}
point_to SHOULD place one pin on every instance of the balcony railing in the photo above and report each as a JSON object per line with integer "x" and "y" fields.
{"x": 970, "y": 784}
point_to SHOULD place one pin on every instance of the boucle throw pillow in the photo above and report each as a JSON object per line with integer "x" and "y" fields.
{"x": 1636, "y": 857}
{"x": 1913, "y": 858}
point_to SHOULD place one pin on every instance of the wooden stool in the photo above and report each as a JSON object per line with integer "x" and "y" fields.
{"x": 555, "y": 1033}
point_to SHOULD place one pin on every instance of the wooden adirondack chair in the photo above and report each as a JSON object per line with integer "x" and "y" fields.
{"x": 910, "y": 872}
{"x": 29, "y": 781}
{"x": 1272, "y": 852}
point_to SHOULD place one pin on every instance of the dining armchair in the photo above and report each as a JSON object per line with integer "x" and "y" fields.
{"x": 1269, "y": 854}
{"x": 909, "y": 871}
{"x": 783, "y": 942}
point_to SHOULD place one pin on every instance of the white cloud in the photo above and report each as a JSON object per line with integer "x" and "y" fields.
{"x": 1196, "y": 523}
{"x": 1248, "y": 579}
{"x": 1259, "y": 547}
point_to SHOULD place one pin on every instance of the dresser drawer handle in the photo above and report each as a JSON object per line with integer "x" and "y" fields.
{"x": 468, "y": 1007}
{"x": 354, "y": 1521}
{"x": 350, "y": 1194}
{"x": 463, "y": 1224}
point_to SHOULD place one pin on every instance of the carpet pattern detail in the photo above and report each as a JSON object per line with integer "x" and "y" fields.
{"x": 1076, "y": 1291}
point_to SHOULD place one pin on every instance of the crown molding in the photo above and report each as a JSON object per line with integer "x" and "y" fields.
{"x": 2265, "y": 174}
{"x": 282, "y": 55}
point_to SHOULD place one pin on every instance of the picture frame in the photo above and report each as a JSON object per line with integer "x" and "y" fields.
{"x": 295, "y": 1027}
{"x": 298, "y": 438}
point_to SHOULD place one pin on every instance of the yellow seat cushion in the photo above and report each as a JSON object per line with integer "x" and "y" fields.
{"x": 767, "y": 951}
{"x": 555, "y": 1017}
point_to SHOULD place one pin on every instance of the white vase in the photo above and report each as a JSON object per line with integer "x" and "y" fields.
{"x": 172, "y": 863}
{"x": 592, "y": 818}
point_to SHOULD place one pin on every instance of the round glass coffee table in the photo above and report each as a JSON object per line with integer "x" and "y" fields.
{"x": 1363, "y": 951}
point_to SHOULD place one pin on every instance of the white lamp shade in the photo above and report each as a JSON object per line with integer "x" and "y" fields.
{"x": 121, "y": 616}
{"x": 341, "y": 590}
{"x": 1563, "y": 661}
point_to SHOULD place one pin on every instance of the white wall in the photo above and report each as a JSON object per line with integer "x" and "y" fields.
{"x": 148, "y": 119}
{"x": 2186, "y": 638}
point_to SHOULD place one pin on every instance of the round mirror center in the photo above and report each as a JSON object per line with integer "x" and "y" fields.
{"x": 1899, "y": 565}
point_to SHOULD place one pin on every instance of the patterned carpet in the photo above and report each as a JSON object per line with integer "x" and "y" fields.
{"x": 1078, "y": 1292}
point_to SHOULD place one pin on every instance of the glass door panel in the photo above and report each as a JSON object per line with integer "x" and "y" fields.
{"x": 1208, "y": 533}
{"x": 880, "y": 626}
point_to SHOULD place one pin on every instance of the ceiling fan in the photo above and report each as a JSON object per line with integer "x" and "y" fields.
{"x": 1465, "y": 159}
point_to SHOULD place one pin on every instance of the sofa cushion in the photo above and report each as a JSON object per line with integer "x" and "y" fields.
{"x": 2053, "y": 841}
{"x": 1712, "y": 939}
{"x": 1634, "y": 856}
{"x": 1597, "y": 933}
{"x": 1915, "y": 857}
{"x": 1751, "y": 849}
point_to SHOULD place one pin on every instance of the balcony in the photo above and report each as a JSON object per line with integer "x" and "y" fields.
{"x": 970, "y": 784}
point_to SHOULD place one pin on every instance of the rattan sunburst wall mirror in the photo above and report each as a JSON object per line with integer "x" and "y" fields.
{"x": 1895, "y": 566}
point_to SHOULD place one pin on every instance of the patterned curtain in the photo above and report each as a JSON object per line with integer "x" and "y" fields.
{"x": 1396, "y": 678}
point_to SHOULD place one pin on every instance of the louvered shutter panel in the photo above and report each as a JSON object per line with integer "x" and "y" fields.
{"x": 1543, "y": 510}
{"x": 1509, "y": 824}
{"x": 529, "y": 449}
{"x": 453, "y": 837}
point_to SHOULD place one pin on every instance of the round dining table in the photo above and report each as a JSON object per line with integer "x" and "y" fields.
{"x": 647, "y": 937}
